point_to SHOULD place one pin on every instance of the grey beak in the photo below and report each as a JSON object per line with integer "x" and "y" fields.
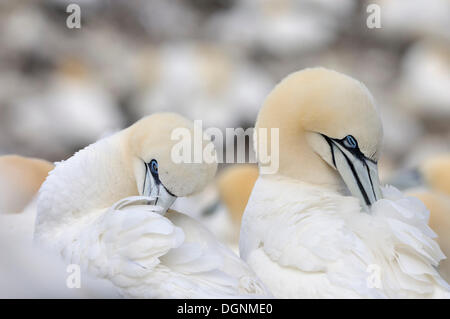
{"x": 155, "y": 189}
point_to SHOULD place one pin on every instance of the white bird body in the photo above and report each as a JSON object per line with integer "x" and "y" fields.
{"x": 328, "y": 245}
{"x": 301, "y": 233}
{"x": 147, "y": 255}
{"x": 89, "y": 212}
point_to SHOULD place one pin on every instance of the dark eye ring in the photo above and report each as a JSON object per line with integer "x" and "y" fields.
{"x": 154, "y": 167}
{"x": 350, "y": 142}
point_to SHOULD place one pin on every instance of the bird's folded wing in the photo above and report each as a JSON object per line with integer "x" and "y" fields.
{"x": 206, "y": 268}
{"x": 147, "y": 254}
{"x": 318, "y": 242}
{"x": 412, "y": 247}
{"x": 126, "y": 242}
{"x": 349, "y": 246}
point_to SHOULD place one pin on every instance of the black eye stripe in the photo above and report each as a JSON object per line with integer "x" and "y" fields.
{"x": 145, "y": 179}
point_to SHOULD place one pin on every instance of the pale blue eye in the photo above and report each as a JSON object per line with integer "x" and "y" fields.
{"x": 350, "y": 142}
{"x": 154, "y": 167}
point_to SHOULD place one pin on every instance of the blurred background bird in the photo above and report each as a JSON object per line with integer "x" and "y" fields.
{"x": 20, "y": 179}
{"x": 430, "y": 182}
{"x": 221, "y": 205}
{"x": 25, "y": 270}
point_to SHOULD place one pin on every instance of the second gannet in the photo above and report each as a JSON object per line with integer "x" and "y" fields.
{"x": 321, "y": 226}
{"x": 20, "y": 179}
{"x": 106, "y": 209}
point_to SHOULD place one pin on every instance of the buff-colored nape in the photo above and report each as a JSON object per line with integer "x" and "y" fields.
{"x": 235, "y": 184}
{"x": 20, "y": 180}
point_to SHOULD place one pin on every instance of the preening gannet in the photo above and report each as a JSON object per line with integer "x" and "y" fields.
{"x": 300, "y": 233}
{"x": 105, "y": 208}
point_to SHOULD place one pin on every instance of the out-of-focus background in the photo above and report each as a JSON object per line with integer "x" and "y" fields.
{"x": 215, "y": 60}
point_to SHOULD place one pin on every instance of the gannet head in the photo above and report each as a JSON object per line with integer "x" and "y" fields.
{"x": 157, "y": 174}
{"x": 330, "y": 131}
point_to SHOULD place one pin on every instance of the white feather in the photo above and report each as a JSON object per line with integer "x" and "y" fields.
{"x": 306, "y": 241}
{"x": 147, "y": 255}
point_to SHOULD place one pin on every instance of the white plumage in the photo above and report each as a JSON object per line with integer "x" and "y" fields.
{"x": 301, "y": 233}
{"x": 29, "y": 271}
{"x": 148, "y": 255}
{"x": 89, "y": 212}
{"x": 327, "y": 245}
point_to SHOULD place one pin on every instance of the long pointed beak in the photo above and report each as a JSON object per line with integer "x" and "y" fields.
{"x": 359, "y": 173}
{"x": 155, "y": 189}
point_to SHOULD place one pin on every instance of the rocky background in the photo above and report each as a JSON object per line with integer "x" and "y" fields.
{"x": 215, "y": 60}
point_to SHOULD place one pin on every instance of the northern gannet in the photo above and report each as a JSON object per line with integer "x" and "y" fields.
{"x": 20, "y": 179}
{"x": 105, "y": 208}
{"x": 301, "y": 233}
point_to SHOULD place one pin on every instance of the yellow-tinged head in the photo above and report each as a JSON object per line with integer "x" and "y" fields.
{"x": 329, "y": 130}
{"x": 151, "y": 143}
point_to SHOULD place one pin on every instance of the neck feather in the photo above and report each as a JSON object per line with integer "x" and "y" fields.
{"x": 94, "y": 178}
